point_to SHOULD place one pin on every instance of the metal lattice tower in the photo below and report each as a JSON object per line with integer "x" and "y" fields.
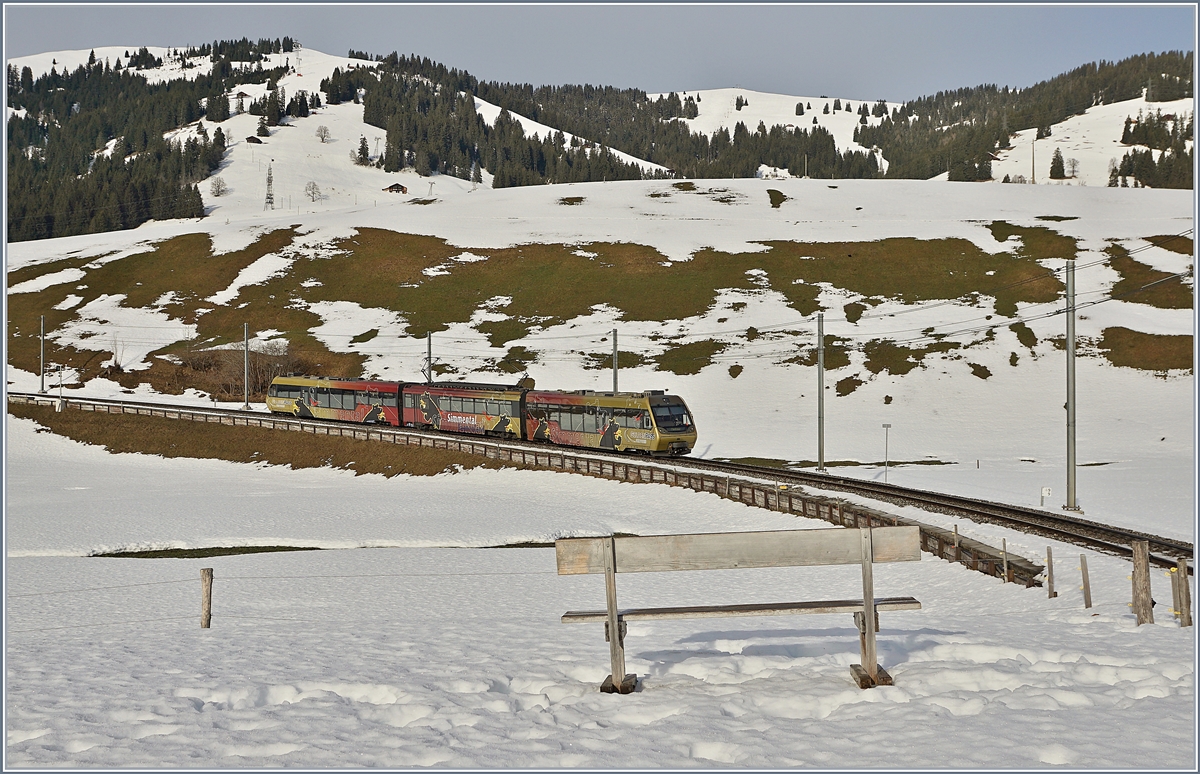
{"x": 270, "y": 203}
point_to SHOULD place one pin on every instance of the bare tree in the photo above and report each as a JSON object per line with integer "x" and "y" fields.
{"x": 1073, "y": 167}
{"x": 323, "y": 133}
{"x": 312, "y": 191}
{"x": 217, "y": 187}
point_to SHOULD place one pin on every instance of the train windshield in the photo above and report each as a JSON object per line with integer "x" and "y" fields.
{"x": 672, "y": 419}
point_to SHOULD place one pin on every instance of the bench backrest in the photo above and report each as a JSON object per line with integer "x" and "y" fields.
{"x": 734, "y": 550}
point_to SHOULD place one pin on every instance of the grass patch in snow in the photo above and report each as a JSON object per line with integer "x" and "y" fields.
{"x": 515, "y": 361}
{"x": 1057, "y": 218}
{"x": 777, "y": 198}
{"x": 363, "y": 338}
{"x": 602, "y": 361}
{"x": 548, "y": 283}
{"x": 687, "y": 359}
{"x": 1146, "y": 351}
{"x": 1168, "y": 294}
{"x": 126, "y": 433}
{"x": 184, "y": 265}
{"x": 686, "y": 185}
{"x": 571, "y": 200}
{"x": 1172, "y": 242}
{"x": 202, "y": 553}
{"x": 848, "y": 385}
{"x": 837, "y": 354}
{"x": 1025, "y": 335}
{"x": 896, "y": 359}
{"x": 910, "y": 271}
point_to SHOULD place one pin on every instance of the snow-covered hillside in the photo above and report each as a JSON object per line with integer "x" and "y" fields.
{"x": 717, "y": 109}
{"x": 1094, "y": 139}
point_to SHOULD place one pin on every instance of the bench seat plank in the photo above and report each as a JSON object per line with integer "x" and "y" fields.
{"x": 722, "y": 611}
{"x": 737, "y": 550}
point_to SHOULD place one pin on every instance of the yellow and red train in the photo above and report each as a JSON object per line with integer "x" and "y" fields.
{"x": 650, "y": 422}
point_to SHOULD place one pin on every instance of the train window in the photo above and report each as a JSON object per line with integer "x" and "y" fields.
{"x": 389, "y": 399}
{"x": 514, "y": 408}
{"x": 272, "y": 391}
{"x": 492, "y": 408}
{"x": 443, "y": 402}
{"x": 590, "y": 422}
{"x": 576, "y": 419}
{"x": 456, "y": 404}
{"x": 322, "y": 397}
{"x": 672, "y": 418}
{"x": 410, "y": 400}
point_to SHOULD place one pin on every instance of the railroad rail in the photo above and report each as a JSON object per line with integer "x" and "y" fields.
{"x": 770, "y": 488}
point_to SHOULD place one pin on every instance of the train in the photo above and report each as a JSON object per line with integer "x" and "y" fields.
{"x": 650, "y": 422}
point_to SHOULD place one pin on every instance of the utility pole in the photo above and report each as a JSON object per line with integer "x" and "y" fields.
{"x": 1033, "y": 163}
{"x": 246, "y": 366}
{"x": 614, "y": 361}
{"x": 1071, "y": 504}
{"x": 887, "y": 426}
{"x": 269, "y": 204}
{"x": 428, "y": 369}
{"x": 820, "y": 392}
{"x": 42, "y": 361}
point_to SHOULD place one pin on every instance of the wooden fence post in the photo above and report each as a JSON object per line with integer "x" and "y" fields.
{"x": 1004, "y": 558}
{"x": 1087, "y": 584}
{"x": 206, "y": 579}
{"x": 1050, "y": 592}
{"x": 957, "y": 548}
{"x": 1184, "y": 604}
{"x": 1142, "y": 604}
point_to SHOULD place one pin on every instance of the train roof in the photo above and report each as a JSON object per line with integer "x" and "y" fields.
{"x": 466, "y": 386}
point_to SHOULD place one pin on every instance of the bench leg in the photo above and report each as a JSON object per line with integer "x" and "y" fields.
{"x": 868, "y": 674}
{"x": 618, "y": 681}
{"x": 865, "y": 681}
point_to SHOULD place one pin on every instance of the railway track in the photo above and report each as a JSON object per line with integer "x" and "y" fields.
{"x": 1063, "y": 527}
{"x": 754, "y": 485}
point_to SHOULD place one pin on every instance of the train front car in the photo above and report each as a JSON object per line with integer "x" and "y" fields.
{"x": 648, "y": 422}
{"x": 332, "y": 398}
{"x": 457, "y": 407}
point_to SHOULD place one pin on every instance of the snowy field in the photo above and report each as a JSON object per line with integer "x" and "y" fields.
{"x": 414, "y": 645}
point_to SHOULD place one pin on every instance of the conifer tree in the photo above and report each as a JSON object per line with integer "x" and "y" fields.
{"x": 1057, "y": 171}
{"x": 364, "y": 151}
{"x": 263, "y": 131}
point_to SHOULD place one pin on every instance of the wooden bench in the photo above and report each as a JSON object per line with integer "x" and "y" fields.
{"x": 740, "y": 550}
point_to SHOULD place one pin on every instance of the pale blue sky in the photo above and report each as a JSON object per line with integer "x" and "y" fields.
{"x": 865, "y": 52}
